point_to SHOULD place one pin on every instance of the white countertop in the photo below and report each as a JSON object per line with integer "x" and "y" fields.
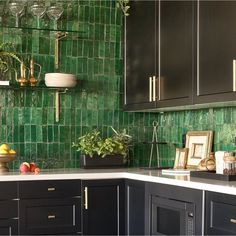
{"x": 135, "y": 174}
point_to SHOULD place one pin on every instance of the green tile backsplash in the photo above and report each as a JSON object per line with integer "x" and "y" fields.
{"x": 94, "y": 54}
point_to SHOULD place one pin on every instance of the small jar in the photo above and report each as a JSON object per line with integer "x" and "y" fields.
{"x": 229, "y": 165}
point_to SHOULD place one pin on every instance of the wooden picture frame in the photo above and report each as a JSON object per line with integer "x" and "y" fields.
{"x": 199, "y": 144}
{"x": 181, "y": 156}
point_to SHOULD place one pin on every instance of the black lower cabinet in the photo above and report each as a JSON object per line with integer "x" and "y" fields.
{"x": 9, "y": 227}
{"x": 171, "y": 210}
{"x": 103, "y": 210}
{"x": 50, "y": 208}
{"x": 135, "y": 207}
{"x": 8, "y": 209}
{"x": 220, "y": 214}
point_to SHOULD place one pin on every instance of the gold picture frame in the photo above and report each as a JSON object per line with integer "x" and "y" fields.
{"x": 199, "y": 144}
{"x": 181, "y": 156}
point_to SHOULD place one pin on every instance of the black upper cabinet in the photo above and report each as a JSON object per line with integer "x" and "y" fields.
{"x": 140, "y": 60}
{"x": 159, "y": 54}
{"x": 217, "y": 50}
{"x": 103, "y": 208}
{"x": 176, "y": 53}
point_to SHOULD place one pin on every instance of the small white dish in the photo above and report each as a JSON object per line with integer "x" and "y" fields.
{"x": 60, "y": 80}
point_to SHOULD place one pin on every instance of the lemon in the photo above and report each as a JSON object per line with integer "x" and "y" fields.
{"x": 3, "y": 151}
{"x": 12, "y": 151}
{"x": 4, "y": 147}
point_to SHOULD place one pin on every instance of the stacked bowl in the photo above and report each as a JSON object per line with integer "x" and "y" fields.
{"x": 62, "y": 80}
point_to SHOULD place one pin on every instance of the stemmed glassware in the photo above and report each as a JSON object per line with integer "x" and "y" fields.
{"x": 38, "y": 10}
{"x": 16, "y": 8}
{"x": 54, "y": 12}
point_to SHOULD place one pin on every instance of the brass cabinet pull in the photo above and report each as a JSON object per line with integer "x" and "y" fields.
{"x": 51, "y": 189}
{"x": 154, "y": 88}
{"x": 233, "y": 221}
{"x": 86, "y": 198}
{"x": 51, "y": 216}
{"x": 150, "y": 89}
{"x": 234, "y": 76}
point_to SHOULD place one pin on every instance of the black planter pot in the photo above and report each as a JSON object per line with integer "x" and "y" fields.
{"x": 109, "y": 161}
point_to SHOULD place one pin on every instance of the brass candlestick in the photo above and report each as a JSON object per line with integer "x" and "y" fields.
{"x": 22, "y": 80}
{"x": 32, "y": 80}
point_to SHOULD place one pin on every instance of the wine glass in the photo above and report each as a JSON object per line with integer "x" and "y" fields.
{"x": 54, "y": 12}
{"x": 16, "y": 8}
{"x": 38, "y": 10}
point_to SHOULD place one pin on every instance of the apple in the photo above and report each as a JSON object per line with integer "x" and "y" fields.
{"x": 33, "y": 166}
{"x": 37, "y": 170}
{"x": 24, "y": 167}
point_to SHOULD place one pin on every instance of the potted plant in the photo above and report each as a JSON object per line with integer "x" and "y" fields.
{"x": 6, "y": 56}
{"x": 97, "y": 152}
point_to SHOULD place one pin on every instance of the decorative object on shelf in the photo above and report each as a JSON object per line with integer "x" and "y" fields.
{"x": 62, "y": 80}
{"x": 229, "y": 164}
{"x": 54, "y": 12}
{"x": 17, "y": 8}
{"x": 32, "y": 80}
{"x": 181, "y": 158}
{"x": 59, "y": 36}
{"x": 199, "y": 144}
{"x": 38, "y": 9}
{"x": 22, "y": 80}
{"x": 123, "y": 5}
{"x": 94, "y": 147}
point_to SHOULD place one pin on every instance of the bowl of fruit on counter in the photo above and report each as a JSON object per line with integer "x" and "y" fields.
{"x": 6, "y": 155}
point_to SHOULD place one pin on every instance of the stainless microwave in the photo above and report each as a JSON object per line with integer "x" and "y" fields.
{"x": 172, "y": 217}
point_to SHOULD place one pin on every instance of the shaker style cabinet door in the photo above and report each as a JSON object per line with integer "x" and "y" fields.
{"x": 177, "y": 51}
{"x": 217, "y": 51}
{"x": 103, "y": 207}
{"x": 140, "y": 55}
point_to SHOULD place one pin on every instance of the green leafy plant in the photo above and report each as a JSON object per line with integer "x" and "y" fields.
{"x": 123, "y": 5}
{"x": 92, "y": 143}
{"x": 6, "y": 56}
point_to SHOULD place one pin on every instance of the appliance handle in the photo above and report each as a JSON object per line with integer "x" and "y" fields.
{"x": 234, "y": 75}
{"x": 86, "y": 198}
{"x": 150, "y": 89}
{"x": 154, "y": 88}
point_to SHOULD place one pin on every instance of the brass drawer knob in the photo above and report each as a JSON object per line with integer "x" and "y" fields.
{"x": 233, "y": 221}
{"x": 51, "y": 189}
{"x": 51, "y": 216}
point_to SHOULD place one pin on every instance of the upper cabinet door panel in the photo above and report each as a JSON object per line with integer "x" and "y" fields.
{"x": 140, "y": 51}
{"x": 176, "y": 50}
{"x": 217, "y": 50}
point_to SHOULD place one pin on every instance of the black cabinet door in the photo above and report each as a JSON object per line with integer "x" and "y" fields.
{"x": 135, "y": 203}
{"x": 140, "y": 54}
{"x": 177, "y": 51}
{"x": 9, "y": 227}
{"x": 220, "y": 214}
{"x": 103, "y": 212}
{"x": 217, "y": 50}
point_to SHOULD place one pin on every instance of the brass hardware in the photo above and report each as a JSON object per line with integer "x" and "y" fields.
{"x": 51, "y": 217}
{"x": 57, "y": 104}
{"x": 59, "y": 36}
{"x": 234, "y": 75}
{"x": 51, "y": 189}
{"x": 150, "y": 89}
{"x": 32, "y": 80}
{"x": 22, "y": 80}
{"x": 154, "y": 88}
{"x": 233, "y": 221}
{"x": 86, "y": 198}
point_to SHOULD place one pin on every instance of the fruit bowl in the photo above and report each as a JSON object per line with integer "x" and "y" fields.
{"x": 4, "y": 159}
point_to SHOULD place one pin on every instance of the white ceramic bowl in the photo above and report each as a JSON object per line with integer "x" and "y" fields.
{"x": 60, "y": 80}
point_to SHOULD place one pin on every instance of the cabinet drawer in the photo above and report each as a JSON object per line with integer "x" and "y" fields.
{"x": 8, "y": 209}
{"x": 9, "y": 227}
{"x": 8, "y": 190}
{"x": 50, "y": 216}
{"x": 49, "y": 189}
{"x": 221, "y": 214}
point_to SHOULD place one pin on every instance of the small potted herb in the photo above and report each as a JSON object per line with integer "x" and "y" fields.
{"x": 97, "y": 152}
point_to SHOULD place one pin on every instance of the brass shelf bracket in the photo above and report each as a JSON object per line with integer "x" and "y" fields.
{"x": 58, "y": 37}
{"x": 57, "y": 104}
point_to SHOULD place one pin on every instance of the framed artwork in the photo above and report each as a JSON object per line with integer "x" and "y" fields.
{"x": 181, "y": 156}
{"x": 199, "y": 144}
